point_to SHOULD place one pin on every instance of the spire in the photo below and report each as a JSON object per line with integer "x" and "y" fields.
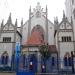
{"x": 16, "y": 23}
{"x": 1, "y": 27}
{"x": 9, "y": 19}
{"x": 46, "y": 11}
{"x": 21, "y": 26}
{"x": 38, "y": 4}
{"x": 46, "y": 8}
{"x": 56, "y": 20}
{"x": 38, "y": 7}
{"x": 64, "y": 15}
{"x": 30, "y": 9}
{"x": 22, "y": 22}
{"x": 2, "y": 23}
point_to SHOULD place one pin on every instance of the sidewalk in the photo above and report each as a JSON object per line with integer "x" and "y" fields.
{"x": 7, "y": 73}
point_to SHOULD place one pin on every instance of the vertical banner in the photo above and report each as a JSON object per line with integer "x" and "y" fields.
{"x": 17, "y": 50}
{"x": 17, "y": 56}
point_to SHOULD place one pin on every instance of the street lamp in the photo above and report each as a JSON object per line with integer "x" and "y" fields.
{"x": 73, "y": 56}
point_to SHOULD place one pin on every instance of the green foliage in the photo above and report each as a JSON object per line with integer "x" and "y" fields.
{"x": 44, "y": 50}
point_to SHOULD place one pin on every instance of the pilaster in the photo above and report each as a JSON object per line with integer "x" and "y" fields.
{"x": 29, "y": 23}
{"x": 46, "y": 34}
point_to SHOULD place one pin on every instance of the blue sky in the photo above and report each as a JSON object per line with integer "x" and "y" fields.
{"x": 20, "y": 9}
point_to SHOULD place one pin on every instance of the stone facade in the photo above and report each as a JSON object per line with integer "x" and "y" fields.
{"x": 9, "y": 36}
{"x": 64, "y": 39}
{"x": 58, "y": 36}
{"x": 38, "y": 17}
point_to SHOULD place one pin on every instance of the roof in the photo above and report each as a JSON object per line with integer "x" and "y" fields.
{"x": 64, "y": 20}
{"x": 52, "y": 48}
{"x": 35, "y": 39}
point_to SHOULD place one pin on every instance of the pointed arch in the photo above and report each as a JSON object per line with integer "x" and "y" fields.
{"x": 4, "y": 58}
{"x": 67, "y": 59}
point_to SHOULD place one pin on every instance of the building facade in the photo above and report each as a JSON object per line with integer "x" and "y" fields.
{"x": 9, "y": 35}
{"x": 64, "y": 41}
{"x": 37, "y": 31}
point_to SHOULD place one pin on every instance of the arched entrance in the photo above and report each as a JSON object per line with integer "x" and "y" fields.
{"x": 32, "y": 63}
{"x": 4, "y": 58}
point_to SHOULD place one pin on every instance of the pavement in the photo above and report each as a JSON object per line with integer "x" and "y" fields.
{"x": 7, "y": 73}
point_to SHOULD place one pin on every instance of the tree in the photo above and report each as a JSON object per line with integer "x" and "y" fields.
{"x": 44, "y": 50}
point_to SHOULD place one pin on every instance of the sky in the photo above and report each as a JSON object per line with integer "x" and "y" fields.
{"x": 20, "y": 9}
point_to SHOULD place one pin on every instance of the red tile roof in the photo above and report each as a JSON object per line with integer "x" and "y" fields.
{"x": 35, "y": 39}
{"x": 52, "y": 48}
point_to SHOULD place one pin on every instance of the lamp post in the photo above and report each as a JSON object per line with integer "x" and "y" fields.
{"x": 73, "y": 65}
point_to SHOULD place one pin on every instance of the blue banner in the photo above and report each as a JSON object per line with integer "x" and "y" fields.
{"x": 17, "y": 56}
{"x": 17, "y": 50}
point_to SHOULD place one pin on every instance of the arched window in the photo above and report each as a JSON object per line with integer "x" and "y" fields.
{"x": 70, "y": 61}
{"x": 65, "y": 61}
{"x": 4, "y": 58}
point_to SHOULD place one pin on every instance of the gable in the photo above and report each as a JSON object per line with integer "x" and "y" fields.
{"x": 65, "y": 25}
{"x": 62, "y": 26}
{"x": 11, "y": 27}
{"x": 5, "y": 27}
{"x": 68, "y": 26}
{"x": 8, "y": 27}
